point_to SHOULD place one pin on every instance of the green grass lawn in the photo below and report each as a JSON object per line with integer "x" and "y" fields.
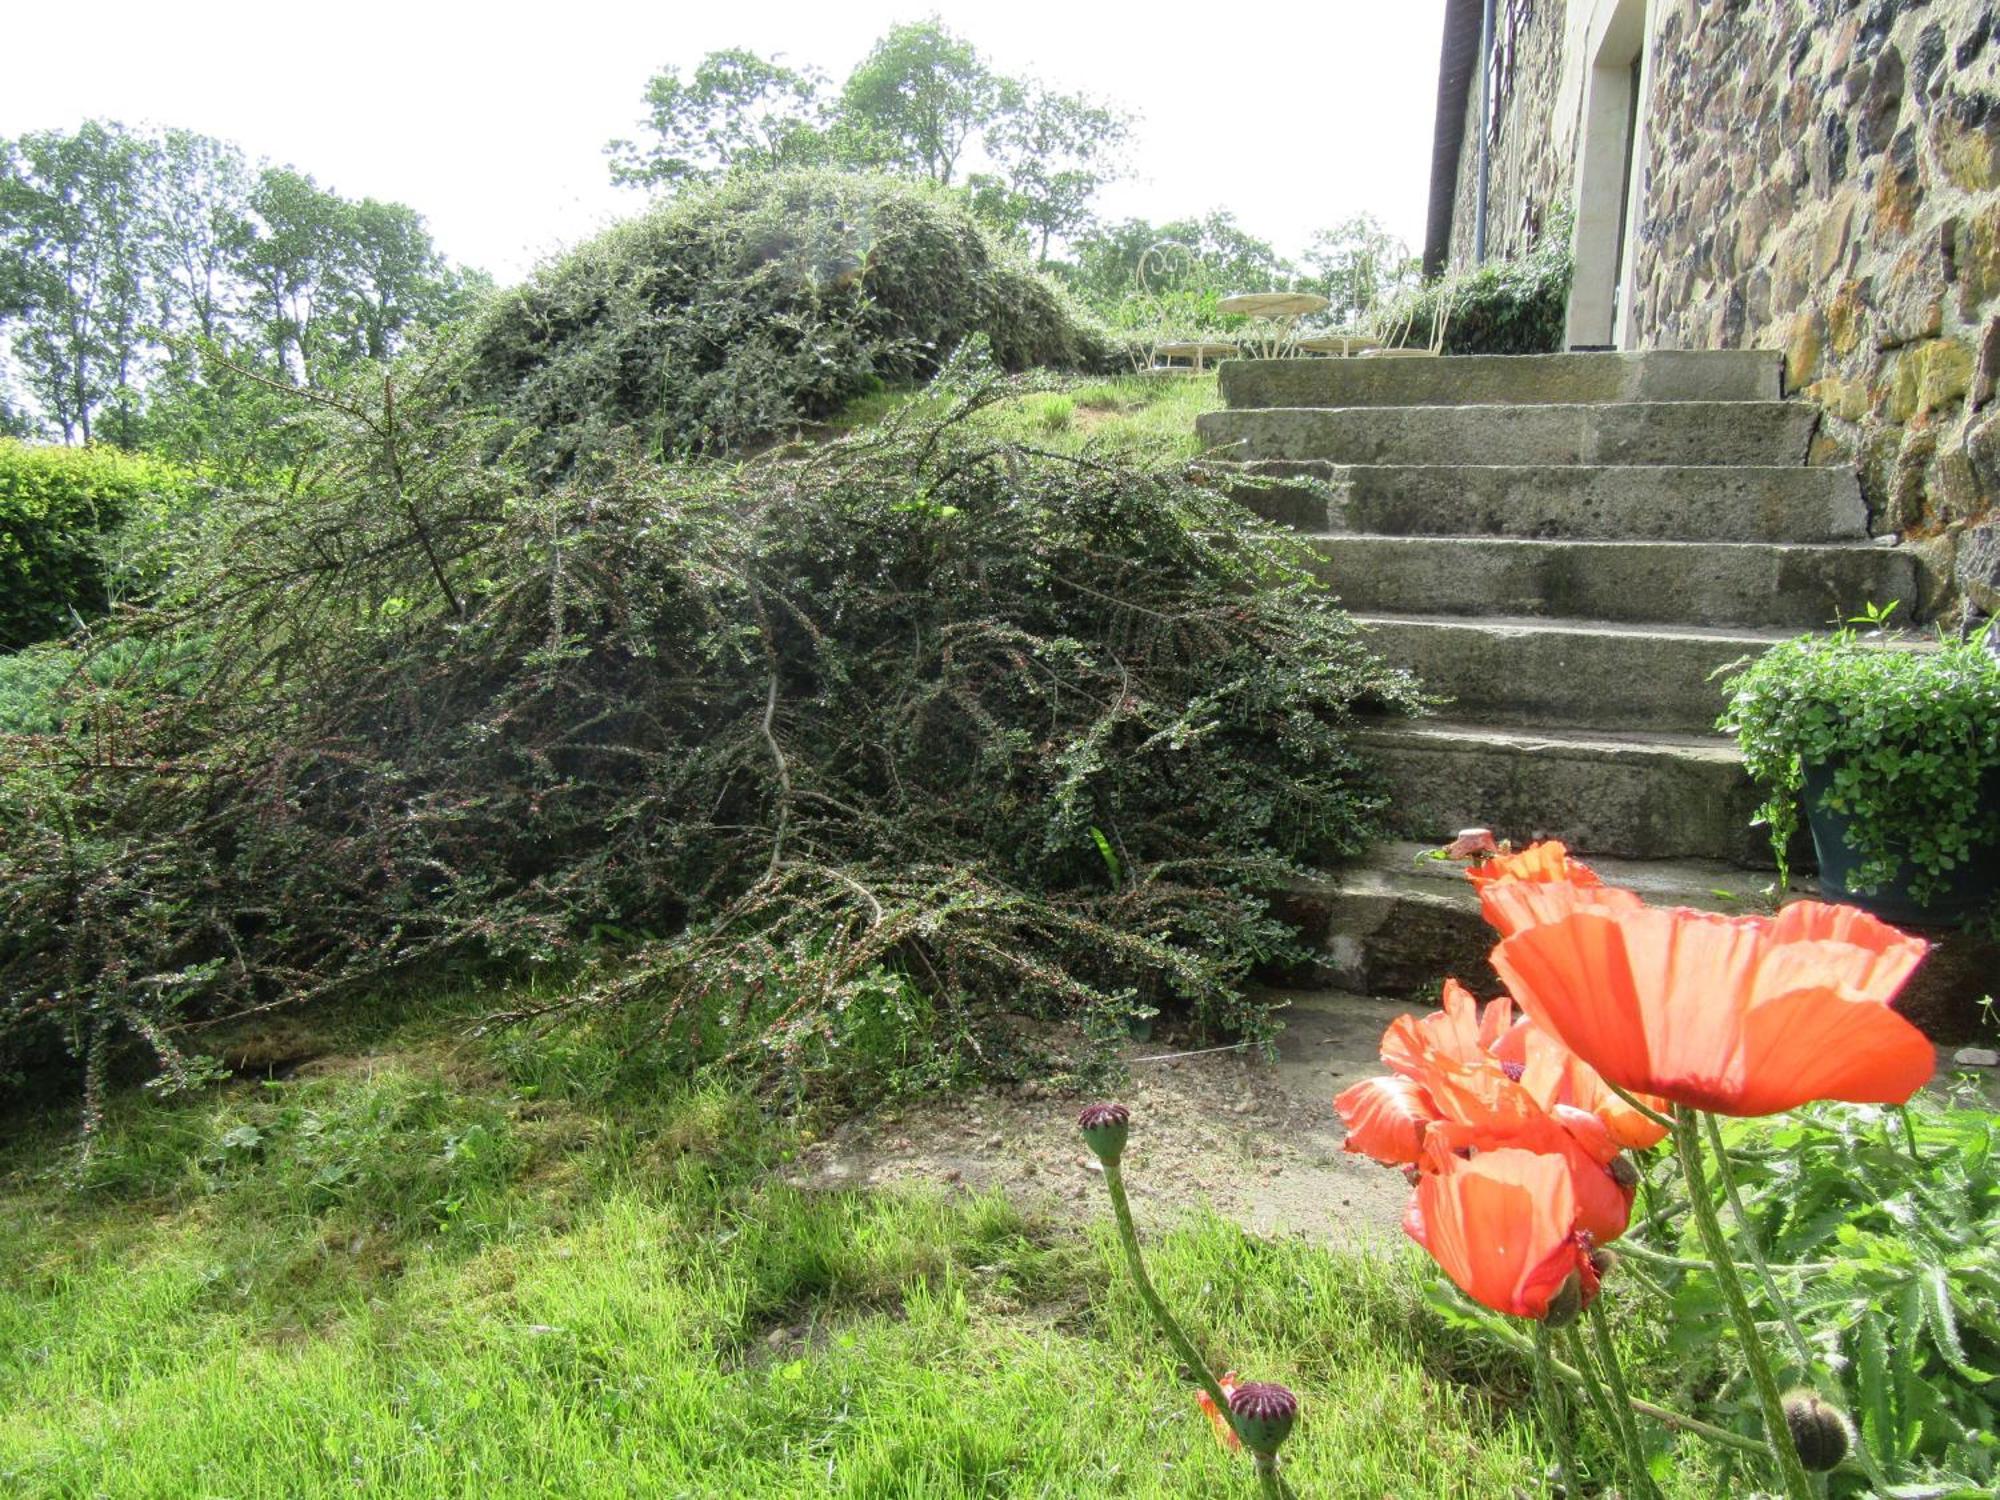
{"x": 422, "y": 1267}
{"x": 1132, "y": 416}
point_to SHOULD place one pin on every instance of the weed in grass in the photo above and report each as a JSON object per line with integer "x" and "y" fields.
{"x": 1055, "y": 413}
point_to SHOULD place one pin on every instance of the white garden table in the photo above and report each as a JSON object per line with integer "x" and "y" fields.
{"x": 1280, "y": 310}
{"x": 1201, "y": 351}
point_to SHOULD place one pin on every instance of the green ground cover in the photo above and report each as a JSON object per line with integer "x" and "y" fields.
{"x": 1147, "y": 418}
{"x": 427, "y": 1267}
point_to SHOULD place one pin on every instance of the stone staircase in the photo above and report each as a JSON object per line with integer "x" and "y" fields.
{"x": 1568, "y": 547}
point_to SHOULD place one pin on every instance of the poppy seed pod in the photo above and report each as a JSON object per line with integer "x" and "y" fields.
{"x": 1819, "y": 1431}
{"x": 1263, "y": 1415}
{"x": 1566, "y": 1306}
{"x": 1105, "y": 1127}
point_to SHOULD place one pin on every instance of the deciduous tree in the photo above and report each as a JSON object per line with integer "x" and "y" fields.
{"x": 74, "y": 245}
{"x": 1053, "y": 153}
{"x": 736, "y": 112}
{"x": 918, "y": 98}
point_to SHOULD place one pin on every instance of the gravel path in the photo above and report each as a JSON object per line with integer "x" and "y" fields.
{"x": 1258, "y": 1141}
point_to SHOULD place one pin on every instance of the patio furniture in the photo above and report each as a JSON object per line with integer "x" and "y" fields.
{"x": 1278, "y": 310}
{"x": 1343, "y": 345}
{"x": 1200, "y": 351}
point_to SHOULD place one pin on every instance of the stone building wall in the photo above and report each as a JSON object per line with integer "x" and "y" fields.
{"x": 1528, "y": 179}
{"x": 1820, "y": 177}
{"x": 1824, "y": 178}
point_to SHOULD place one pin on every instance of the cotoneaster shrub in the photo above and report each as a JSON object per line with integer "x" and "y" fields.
{"x": 1029, "y": 733}
{"x": 738, "y": 312}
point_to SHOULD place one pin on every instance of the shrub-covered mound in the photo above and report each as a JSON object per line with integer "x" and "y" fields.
{"x": 904, "y": 727}
{"x": 737, "y": 312}
{"x": 63, "y": 515}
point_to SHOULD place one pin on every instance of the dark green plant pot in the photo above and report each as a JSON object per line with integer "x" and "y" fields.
{"x": 1973, "y": 888}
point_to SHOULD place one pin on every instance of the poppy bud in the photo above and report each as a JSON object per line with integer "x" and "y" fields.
{"x": 1623, "y": 1172}
{"x": 1263, "y": 1414}
{"x": 1603, "y": 1262}
{"x": 1819, "y": 1431}
{"x": 1104, "y": 1128}
{"x": 1566, "y": 1306}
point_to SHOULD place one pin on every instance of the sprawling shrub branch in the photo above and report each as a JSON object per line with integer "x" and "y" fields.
{"x": 1028, "y": 732}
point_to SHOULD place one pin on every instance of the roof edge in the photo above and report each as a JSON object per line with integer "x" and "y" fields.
{"x": 1458, "y": 63}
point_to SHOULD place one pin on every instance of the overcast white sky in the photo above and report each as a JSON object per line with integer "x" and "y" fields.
{"x": 491, "y": 119}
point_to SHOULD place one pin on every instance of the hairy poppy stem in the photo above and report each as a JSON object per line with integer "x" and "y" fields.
{"x": 1721, "y": 1436}
{"x": 1592, "y": 1387}
{"x": 1270, "y": 1481}
{"x": 1910, "y": 1134}
{"x": 1128, "y": 1236}
{"x": 1747, "y": 1233}
{"x": 1621, "y": 1400}
{"x": 1554, "y": 1411}
{"x": 1630, "y": 1249}
{"x": 1777, "y": 1432}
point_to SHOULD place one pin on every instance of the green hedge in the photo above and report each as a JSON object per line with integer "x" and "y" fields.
{"x": 63, "y": 515}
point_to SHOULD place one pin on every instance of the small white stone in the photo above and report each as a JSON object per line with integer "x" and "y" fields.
{"x": 1976, "y": 1057}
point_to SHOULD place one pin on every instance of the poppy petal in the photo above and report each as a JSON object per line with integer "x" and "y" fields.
{"x": 1740, "y": 1015}
{"x": 1816, "y": 1045}
{"x": 1501, "y": 1225}
{"x": 1386, "y": 1119}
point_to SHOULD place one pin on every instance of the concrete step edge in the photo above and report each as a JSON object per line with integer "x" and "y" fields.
{"x": 1587, "y": 744}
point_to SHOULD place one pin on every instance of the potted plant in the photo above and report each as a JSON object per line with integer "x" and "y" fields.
{"x": 1893, "y": 747}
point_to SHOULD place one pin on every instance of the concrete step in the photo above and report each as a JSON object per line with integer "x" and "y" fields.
{"x": 1394, "y": 924}
{"x": 1702, "y": 583}
{"x": 1634, "y": 796}
{"x": 1570, "y": 674}
{"x": 1611, "y": 502}
{"x": 1479, "y": 379}
{"x": 1674, "y": 432}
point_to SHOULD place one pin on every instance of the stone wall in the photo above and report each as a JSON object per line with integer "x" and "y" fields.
{"x": 1824, "y": 178}
{"x": 1821, "y": 177}
{"x": 1528, "y": 179}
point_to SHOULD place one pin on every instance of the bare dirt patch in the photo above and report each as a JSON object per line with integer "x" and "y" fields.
{"x": 1256, "y": 1140}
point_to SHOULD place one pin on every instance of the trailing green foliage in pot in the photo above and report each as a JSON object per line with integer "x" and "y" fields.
{"x": 80, "y": 530}
{"x": 1029, "y": 732}
{"x": 1503, "y": 307}
{"x": 1894, "y": 745}
{"x": 737, "y": 312}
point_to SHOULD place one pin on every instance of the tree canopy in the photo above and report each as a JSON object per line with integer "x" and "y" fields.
{"x": 120, "y": 250}
{"x": 924, "y": 103}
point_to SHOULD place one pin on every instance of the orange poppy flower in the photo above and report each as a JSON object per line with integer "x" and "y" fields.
{"x": 1225, "y": 1430}
{"x": 1739, "y": 1015}
{"x": 1541, "y": 884}
{"x": 1563, "y": 1081}
{"x": 1449, "y": 1080}
{"x": 1484, "y": 1109}
{"x": 1502, "y": 1226}
{"x": 1458, "y": 1029}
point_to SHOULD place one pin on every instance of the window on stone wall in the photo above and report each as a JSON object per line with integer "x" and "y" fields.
{"x": 1509, "y": 21}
